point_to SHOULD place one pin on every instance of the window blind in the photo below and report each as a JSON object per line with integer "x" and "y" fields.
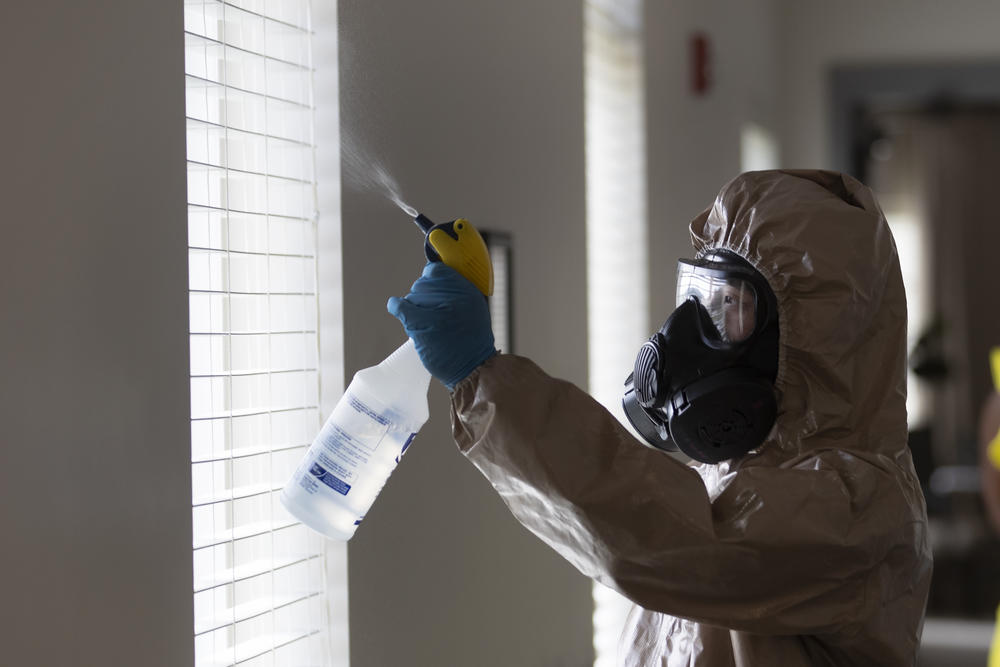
{"x": 758, "y": 148}
{"x": 617, "y": 265}
{"x": 909, "y": 231}
{"x": 258, "y": 574}
{"x": 499, "y": 246}
{"x": 617, "y": 230}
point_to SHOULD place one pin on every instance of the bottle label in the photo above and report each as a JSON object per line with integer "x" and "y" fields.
{"x": 328, "y": 478}
{"x": 368, "y": 412}
{"x": 352, "y": 434}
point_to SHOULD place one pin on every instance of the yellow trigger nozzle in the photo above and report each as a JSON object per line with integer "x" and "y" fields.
{"x": 459, "y": 245}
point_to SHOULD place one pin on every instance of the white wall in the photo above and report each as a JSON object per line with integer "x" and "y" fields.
{"x": 477, "y": 110}
{"x": 694, "y": 141}
{"x": 816, "y": 35}
{"x": 95, "y": 485}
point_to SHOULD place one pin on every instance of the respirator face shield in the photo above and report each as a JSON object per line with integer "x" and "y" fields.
{"x": 729, "y": 298}
{"x": 703, "y": 384}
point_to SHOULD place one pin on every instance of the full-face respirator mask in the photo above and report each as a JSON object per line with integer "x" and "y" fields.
{"x": 704, "y": 383}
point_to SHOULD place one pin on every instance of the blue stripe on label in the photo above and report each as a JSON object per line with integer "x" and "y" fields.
{"x": 328, "y": 478}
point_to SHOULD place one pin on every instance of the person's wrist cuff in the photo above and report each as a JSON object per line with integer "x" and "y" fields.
{"x": 451, "y": 382}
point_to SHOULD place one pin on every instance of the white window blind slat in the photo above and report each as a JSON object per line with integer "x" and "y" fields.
{"x": 213, "y": 145}
{"x": 258, "y": 574}
{"x": 244, "y": 71}
{"x": 262, "y": 593}
{"x": 244, "y": 395}
{"x": 251, "y": 313}
{"x": 225, "y": 438}
{"x": 254, "y": 651}
{"x": 252, "y": 556}
{"x": 295, "y": 13}
{"x": 216, "y": 536}
{"x": 235, "y": 478}
{"x": 240, "y": 453}
{"x": 257, "y": 607}
{"x": 243, "y": 492}
{"x": 244, "y": 572}
{"x": 212, "y": 102}
{"x": 236, "y": 170}
{"x": 247, "y": 354}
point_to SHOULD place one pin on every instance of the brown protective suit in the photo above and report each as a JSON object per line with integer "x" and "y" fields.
{"x": 810, "y": 551}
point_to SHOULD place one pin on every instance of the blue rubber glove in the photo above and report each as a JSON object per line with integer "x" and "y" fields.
{"x": 449, "y": 322}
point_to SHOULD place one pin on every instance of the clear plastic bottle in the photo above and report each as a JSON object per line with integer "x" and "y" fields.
{"x": 359, "y": 446}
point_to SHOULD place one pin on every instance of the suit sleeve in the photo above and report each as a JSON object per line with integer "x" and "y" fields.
{"x": 786, "y": 550}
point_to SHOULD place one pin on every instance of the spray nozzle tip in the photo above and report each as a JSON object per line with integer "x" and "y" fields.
{"x": 423, "y": 222}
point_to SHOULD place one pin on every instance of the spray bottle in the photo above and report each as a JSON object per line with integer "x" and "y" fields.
{"x": 381, "y": 411}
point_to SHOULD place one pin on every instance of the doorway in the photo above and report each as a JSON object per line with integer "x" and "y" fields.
{"x": 927, "y": 140}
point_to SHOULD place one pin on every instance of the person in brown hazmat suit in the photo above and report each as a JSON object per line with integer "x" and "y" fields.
{"x": 801, "y": 536}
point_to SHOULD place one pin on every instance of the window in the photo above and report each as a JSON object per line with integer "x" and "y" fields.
{"x": 909, "y": 233}
{"x": 500, "y": 246}
{"x": 758, "y": 148}
{"x": 258, "y": 575}
{"x": 617, "y": 258}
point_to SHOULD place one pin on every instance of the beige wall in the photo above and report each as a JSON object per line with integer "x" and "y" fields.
{"x": 817, "y": 35}
{"x": 95, "y": 489}
{"x": 477, "y": 110}
{"x": 694, "y": 141}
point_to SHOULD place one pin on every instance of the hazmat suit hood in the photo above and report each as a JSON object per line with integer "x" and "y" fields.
{"x": 822, "y": 243}
{"x": 810, "y": 550}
